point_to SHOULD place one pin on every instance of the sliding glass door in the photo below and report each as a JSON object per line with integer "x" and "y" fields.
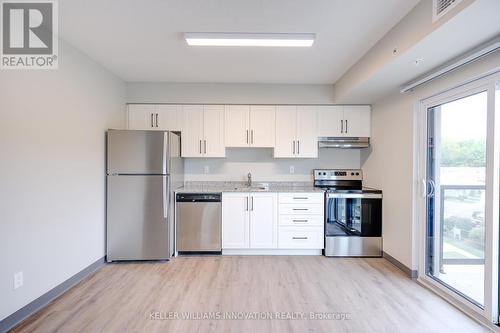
{"x": 459, "y": 165}
{"x": 456, "y": 175}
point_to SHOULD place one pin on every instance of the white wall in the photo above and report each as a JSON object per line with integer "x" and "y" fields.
{"x": 229, "y": 93}
{"x": 259, "y": 161}
{"x": 389, "y": 165}
{"x": 52, "y": 172}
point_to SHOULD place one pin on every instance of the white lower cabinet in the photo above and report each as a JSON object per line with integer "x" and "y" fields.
{"x": 301, "y": 221}
{"x": 272, "y": 222}
{"x": 235, "y": 221}
{"x": 249, "y": 221}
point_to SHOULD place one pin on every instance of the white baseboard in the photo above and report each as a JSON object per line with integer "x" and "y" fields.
{"x": 272, "y": 252}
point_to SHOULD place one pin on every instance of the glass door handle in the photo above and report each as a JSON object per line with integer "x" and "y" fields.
{"x": 432, "y": 188}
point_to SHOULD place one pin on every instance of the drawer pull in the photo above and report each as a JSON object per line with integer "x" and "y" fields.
{"x": 302, "y": 221}
{"x": 300, "y": 198}
{"x": 301, "y": 209}
{"x": 299, "y": 237}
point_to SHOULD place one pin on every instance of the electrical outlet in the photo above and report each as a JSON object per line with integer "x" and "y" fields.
{"x": 206, "y": 169}
{"x": 18, "y": 280}
{"x": 292, "y": 169}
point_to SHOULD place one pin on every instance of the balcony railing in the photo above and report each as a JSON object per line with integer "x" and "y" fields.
{"x": 455, "y": 231}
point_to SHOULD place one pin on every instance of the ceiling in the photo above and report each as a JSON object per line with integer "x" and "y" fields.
{"x": 450, "y": 41}
{"x": 142, "y": 40}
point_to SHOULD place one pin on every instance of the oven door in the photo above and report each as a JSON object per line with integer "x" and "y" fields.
{"x": 353, "y": 214}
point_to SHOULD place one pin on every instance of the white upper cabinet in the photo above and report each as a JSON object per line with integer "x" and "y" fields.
{"x": 344, "y": 121}
{"x": 192, "y": 132}
{"x": 286, "y": 128}
{"x": 237, "y": 125}
{"x": 291, "y": 130}
{"x": 330, "y": 120}
{"x": 203, "y": 131}
{"x": 213, "y": 129}
{"x": 296, "y": 132}
{"x": 169, "y": 117}
{"x": 154, "y": 117}
{"x": 262, "y": 125}
{"x": 307, "y": 132}
{"x": 249, "y": 126}
{"x": 357, "y": 120}
{"x": 141, "y": 116}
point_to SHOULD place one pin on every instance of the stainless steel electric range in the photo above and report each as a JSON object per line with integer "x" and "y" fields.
{"x": 353, "y": 214}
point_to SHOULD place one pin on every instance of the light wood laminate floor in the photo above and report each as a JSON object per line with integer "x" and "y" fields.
{"x": 374, "y": 293}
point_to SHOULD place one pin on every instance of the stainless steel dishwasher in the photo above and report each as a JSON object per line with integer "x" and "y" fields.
{"x": 199, "y": 222}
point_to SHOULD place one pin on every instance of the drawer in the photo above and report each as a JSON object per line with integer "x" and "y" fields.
{"x": 301, "y": 197}
{"x": 301, "y": 209}
{"x": 301, "y": 238}
{"x": 306, "y": 220}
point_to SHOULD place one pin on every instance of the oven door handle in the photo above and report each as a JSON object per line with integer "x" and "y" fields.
{"x": 354, "y": 195}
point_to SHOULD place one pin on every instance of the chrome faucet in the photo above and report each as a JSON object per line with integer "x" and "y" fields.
{"x": 249, "y": 179}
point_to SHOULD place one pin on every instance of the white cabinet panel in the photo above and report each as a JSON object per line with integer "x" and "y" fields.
{"x": 307, "y": 132}
{"x": 235, "y": 221}
{"x": 301, "y": 238}
{"x": 142, "y": 116}
{"x": 237, "y": 125}
{"x": 301, "y": 209}
{"x": 300, "y": 197}
{"x": 286, "y": 127}
{"x": 294, "y": 220}
{"x": 213, "y": 129}
{"x": 263, "y": 221}
{"x": 249, "y": 220}
{"x": 262, "y": 125}
{"x": 169, "y": 117}
{"x": 329, "y": 120}
{"x": 357, "y": 120}
{"x": 296, "y": 132}
{"x": 192, "y": 134}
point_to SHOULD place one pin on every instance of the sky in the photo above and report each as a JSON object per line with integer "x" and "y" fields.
{"x": 465, "y": 119}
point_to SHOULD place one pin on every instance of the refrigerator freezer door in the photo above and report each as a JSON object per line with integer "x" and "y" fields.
{"x": 137, "y": 223}
{"x": 137, "y": 152}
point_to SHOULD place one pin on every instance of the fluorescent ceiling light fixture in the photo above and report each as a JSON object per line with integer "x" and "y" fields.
{"x": 248, "y": 39}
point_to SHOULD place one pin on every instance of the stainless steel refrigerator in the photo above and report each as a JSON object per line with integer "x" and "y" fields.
{"x": 143, "y": 170}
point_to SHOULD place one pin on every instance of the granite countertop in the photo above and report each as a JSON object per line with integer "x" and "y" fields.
{"x": 209, "y": 187}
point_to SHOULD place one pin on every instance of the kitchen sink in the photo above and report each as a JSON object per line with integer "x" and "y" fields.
{"x": 253, "y": 188}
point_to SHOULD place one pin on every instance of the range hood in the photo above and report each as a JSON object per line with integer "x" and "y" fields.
{"x": 343, "y": 142}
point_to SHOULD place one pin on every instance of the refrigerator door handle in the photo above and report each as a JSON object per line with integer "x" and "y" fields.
{"x": 166, "y": 167}
{"x": 166, "y": 195}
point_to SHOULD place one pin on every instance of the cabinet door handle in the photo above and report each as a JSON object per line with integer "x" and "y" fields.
{"x": 246, "y": 203}
{"x": 293, "y": 147}
{"x": 346, "y": 129}
{"x": 342, "y": 126}
{"x": 300, "y": 209}
{"x": 252, "y": 203}
{"x": 251, "y": 136}
{"x": 301, "y": 221}
{"x": 152, "y": 121}
{"x": 299, "y": 237}
{"x": 298, "y": 147}
{"x": 247, "y": 137}
{"x": 157, "y": 120}
{"x": 200, "y": 146}
{"x": 300, "y": 198}
{"x": 205, "y": 144}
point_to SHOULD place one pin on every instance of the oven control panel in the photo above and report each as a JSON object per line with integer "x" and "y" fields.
{"x": 338, "y": 174}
